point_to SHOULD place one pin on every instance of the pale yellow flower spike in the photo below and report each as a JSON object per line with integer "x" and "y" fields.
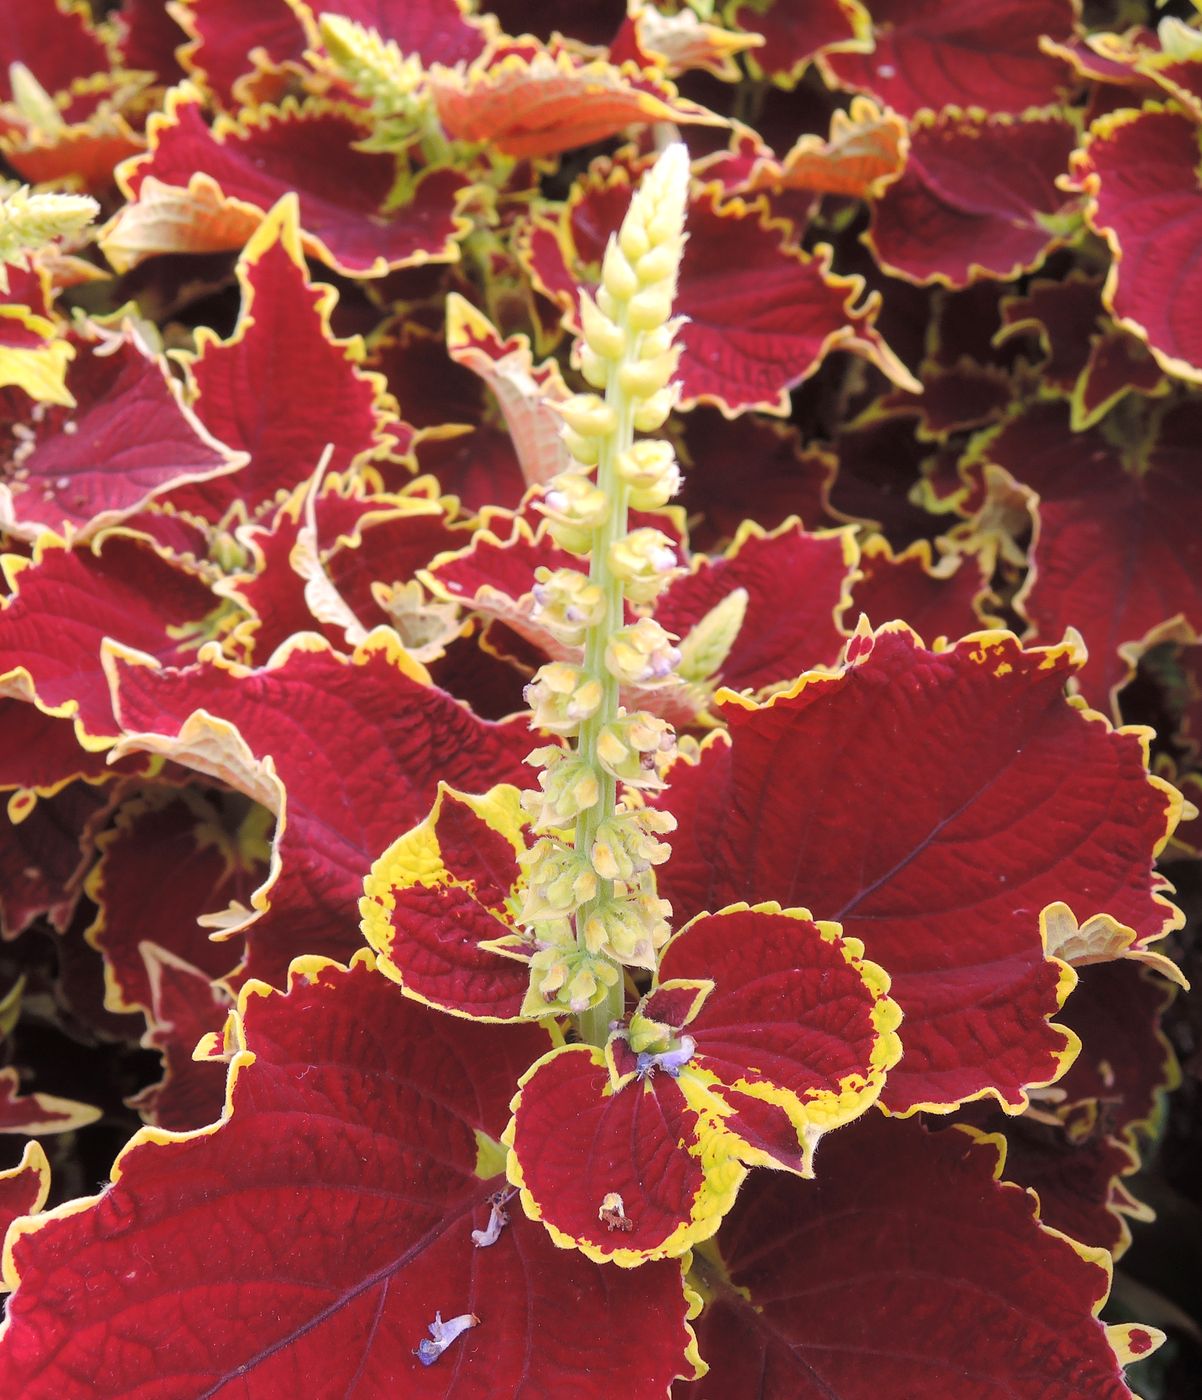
{"x": 591, "y": 901}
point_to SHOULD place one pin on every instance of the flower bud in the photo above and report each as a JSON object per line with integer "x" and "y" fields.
{"x": 568, "y": 786}
{"x": 633, "y": 240}
{"x": 617, "y": 276}
{"x": 658, "y": 264}
{"x": 628, "y": 748}
{"x": 586, "y": 450}
{"x": 624, "y": 846}
{"x": 588, "y": 415}
{"x": 601, "y": 335}
{"x": 649, "y": 469}
{"x": 567, "y": 603}
{"x": 574, "y": 506}
{"x": 644, "y": 560}
{"x": 595, "y": 368}
{"x": 567, "y": 979}
{"x": 652, "y": 413}
{"x": 629, "y": 928}
{"x": 650, "y": 308}
{"x": 641, "y": 654}
{"x": 561, "y": 696}
{"x": 559, "y": 880}
{"x": 643, "y": 377}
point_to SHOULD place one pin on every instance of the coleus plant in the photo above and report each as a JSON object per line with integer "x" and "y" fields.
{"x": 519, "y": 774}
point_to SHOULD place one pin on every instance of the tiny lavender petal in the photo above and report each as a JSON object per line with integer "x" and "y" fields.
{"x": 442, "y": 1334}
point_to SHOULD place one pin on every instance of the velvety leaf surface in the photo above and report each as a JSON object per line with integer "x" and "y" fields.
{"x": 366, "y": 1108}
{"x": 66, "y": 601}
{"x": 40, "y": 753}
{"x": 966, "y": 53}
{"x": 347, "y": 752}
{"x": 905, "y": 1268}
{"x": 247, "y": 386}
{"x": 127, "y": 438}
{"x": 941, "y": 767}
{"x": 1079, "y": 1183}
{"x": 1115, "y": 553}
{"x": 200, "y": 190}
{"x": 1140, "y": 169}
{"x": 978, "y": 197}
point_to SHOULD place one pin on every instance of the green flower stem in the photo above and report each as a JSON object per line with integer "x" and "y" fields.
{"x": 594, "y": 1023}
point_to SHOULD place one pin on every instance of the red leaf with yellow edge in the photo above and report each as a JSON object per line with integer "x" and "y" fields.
{"x": 763, "y": 1031}
{"x": 1079, "y": 1184}
{"x": 56, "y": 42}
{"x": 525, "y": 393}
{"x": 435, "y": 31}
{"x": 936, "y": 600}
{"x": 1139, "y": 171}
{"x": 1166, "y": 59}
{"x": 762, "y": 314}
{"x": 40, "y": 753}
{"x": 678, "y": 43}
{"x": 28, "y": 1114}
{"x": 282, "y": 388}
{"x": 941, "y": 765}
{"x": 47, "y": 848}
{"x": 777, "y": 476}
{"x": 978, "y": 197}
{"x": 366, "y": 544}
{"x": 865, "y": 152}
{"x": 93, "y": 135}
{"x": 65, "y": 602}
{"x": 377, "y": 1113}
{"x": 126, "y": 438}
{"x": 345, "y": 751}
{"x": 1126, "y": 1062}
{"x": 797, "y": 587}
{"x": 233, "y": 44}
{"x": 907, "y": 1267}
{"x": 532, "y": 102}
{"x": 25, "y": 1187}
{"x": 33, "y": 357}
{"x": 184, "y": 1007}
{"x": 436, "y": 907}
{"x": 794, "y": 34}
{"x": 199, "y": 190}
{"x": 965, "y": 53}
{"x": 1115, "y": 552}
{"x": 200, "y": 855}
{"x": 625, "y": 1175}
{"x": 455, "y": 437}
{"x": 147, "y": 38}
